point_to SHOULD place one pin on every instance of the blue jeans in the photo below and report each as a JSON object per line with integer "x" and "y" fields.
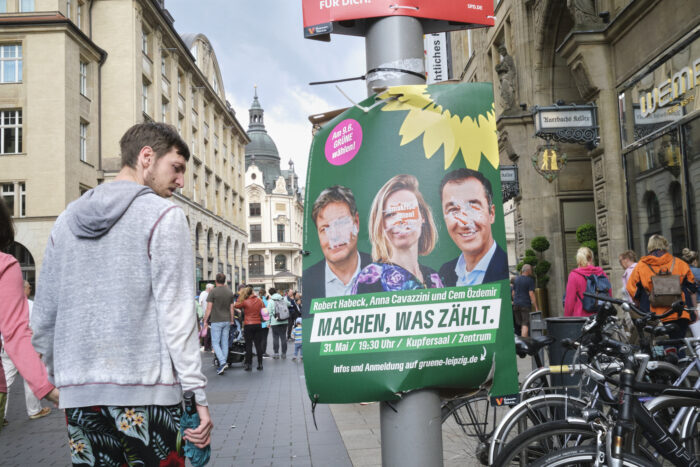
{"x": 219, "y": 340}
{"x": 297, "y": 349}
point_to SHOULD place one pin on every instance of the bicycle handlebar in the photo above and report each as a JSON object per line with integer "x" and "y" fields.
{"x": 677, "y": 307}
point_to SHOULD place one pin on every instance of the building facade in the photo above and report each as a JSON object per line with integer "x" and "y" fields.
{"x": 275, "y": 211}
{"x": 75, "y": 76}
{"x": 637, "y": 62}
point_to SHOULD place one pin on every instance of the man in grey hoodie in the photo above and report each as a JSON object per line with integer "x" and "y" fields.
{"x": 123, "y": 351}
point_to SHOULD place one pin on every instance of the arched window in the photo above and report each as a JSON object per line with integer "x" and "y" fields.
{"x": 280, "y": 263}
{"x": 256, "y": 265}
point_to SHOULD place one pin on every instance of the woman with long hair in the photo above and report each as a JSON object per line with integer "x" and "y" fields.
{"x": 576, "y": 283}
{"x": 401, "y": 228}
{"x": 14, "y": 322}
{"x": 252, "y": 325}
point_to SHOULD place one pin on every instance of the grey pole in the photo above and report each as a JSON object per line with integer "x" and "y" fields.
{"x": 394, "y": 42}
{"x": 411, "y": 427}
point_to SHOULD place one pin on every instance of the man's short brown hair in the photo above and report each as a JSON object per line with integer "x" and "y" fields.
{"x": 220, "y": 278}
{"x": 334, "y": 194}
{"x": 160, "y": 137}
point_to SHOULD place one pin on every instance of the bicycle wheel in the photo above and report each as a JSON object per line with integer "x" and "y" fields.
{"x": 581, "y": 456}
{"x": 467, "y": 425}
{"x": 532, "y": 412}
{"x": 541, "y": 440}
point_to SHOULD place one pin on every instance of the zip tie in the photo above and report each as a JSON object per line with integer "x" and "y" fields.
{"x": 492, "y": 17}
{"x": 396, "y": 7}
{"x": 364, "y": 109}
{"x": 314, "y": 402}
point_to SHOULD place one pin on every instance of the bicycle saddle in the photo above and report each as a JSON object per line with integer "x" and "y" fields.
{"x": 525, "y": 346}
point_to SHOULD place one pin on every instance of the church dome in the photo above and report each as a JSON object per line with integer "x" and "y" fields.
{"x": 261, "y": 145}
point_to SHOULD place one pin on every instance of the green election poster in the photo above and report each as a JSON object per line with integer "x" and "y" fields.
{"x": 406, "y": 282}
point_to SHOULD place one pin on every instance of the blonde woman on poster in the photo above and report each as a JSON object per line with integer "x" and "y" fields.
{"x": 401, "y": 228}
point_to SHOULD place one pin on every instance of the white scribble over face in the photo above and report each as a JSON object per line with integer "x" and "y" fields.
{"x": 468, "y": 216}
{"x": 337, "y": 232}
{"x": 403, "y": 221}
{"x": 340, "y": 231}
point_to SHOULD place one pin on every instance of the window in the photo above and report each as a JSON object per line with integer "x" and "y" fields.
{"x": 22, "y": 199}
{"x": 254, "y": 209}
{"x": 179, "y": 125}
{"x": 26, "y": 5}
{"x": 83, "y": 141}
{"x": 144, "y": 98}
{"x": 10, "y": 132}
{"x": 3, "y": 6}
{"x": 163, "y": 67}
{"x": 79, "y": 15}
{"x": 83, "y": 78}
{"x": 8, "y": 196}
{"x": 256, "y": 265}
{"x": 193, "y": 50}
{"x": 255, "y": 233}
{"x": 280, "y": 232}
{"x": 144, "y": 42}
{"x": 179, "y": 83}
{"x": 164, "y": 112}
{"x": 11, "y": 63}
{"x": 216, "y": 85}
{"x": 68, "y": 7}
{"x": 195, "y": 188}
{"x": 280, "y": 263}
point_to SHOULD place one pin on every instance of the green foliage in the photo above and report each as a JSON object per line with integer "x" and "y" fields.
{"x": 520, "y": 265}
{"x": 539, "y": 244}
{"x": 542, "y": 281}
{"x": 529, "y": 252}
{"x": 542, "y": 268}
{"x": 531, "y": 260}
{"x": 585, "y": 233}
{"x": 592, "y": 244}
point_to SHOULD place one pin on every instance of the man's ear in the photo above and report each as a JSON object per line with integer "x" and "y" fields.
{"x": 147, "y": 157}
{"x": 493, "y": 213}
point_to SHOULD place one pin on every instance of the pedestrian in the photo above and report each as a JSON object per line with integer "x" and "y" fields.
{"x": 266, "y": 319}
{"x": 33, "y": 405}
{"x": 277, "y": 307}
{"x": 220, "y": 313}
{"x": 628, "y": 260}
{"x": 640, "y": 284}
{"x": 203, "y": 296}
{"x": 523, "y": 299}
{"x": 294, "y": 312}
{"x": 123, "y": 348}
{"x": 297, "y": 340}
{"x": 691, "y": 257}
{"x": 577, "y": 282}
{"x": 252, "y": 328}
{"x": 14, "y": 323}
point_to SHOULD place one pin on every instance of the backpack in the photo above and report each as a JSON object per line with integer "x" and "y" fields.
{"x": 281, "y": 311}
{"x": 598, "y": 285}
{"x": 665, "y": 287}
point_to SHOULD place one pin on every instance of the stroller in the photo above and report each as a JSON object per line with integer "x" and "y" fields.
{"x": 236, "y": 346}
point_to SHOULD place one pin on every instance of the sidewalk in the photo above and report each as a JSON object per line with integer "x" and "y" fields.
{"x": 261, "y": 418}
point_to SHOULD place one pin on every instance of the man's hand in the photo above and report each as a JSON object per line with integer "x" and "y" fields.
{"x": 52, "y": 396}
{"x": 201, "y": 436}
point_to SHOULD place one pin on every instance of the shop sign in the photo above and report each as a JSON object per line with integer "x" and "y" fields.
{"x": 396, "y": 207}
{"x": 657, "y": 98}
{"x": 567, "y": 123}
{"x": 437, "y": 57}
{"x": 549, "y": 160}
{"x": 321, "y": 17}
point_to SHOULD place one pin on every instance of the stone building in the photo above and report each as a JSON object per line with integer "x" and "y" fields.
{"x": 275, "y": 210}
{"x": 75, "y": 75}
{"x": 638, "y": 62}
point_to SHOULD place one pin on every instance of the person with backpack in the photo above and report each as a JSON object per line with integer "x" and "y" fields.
{"x": 659, "y": 280}
{"x": 587, "y": 277}
{"x": 279, "y": 317}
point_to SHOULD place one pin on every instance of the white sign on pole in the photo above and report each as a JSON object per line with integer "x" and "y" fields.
{"x": 436, "y": 57}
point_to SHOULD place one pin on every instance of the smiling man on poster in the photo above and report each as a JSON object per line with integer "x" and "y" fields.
{"x": 468, "y": 210}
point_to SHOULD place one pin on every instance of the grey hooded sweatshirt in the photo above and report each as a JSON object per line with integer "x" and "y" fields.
{"x": 113, "y": 311}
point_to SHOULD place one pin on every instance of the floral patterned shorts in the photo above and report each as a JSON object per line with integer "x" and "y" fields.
{"x": 118, "y": 436}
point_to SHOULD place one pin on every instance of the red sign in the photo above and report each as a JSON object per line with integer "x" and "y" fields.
{"x": 320, "y": 14}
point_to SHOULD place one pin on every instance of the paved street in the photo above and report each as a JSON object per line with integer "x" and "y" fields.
{"x": 260, "y": 418}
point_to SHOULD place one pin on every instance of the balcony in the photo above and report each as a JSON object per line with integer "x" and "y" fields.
{"x": 147, "y": 67}
{"x": 165, "y": 87}
{"x": 181, "y": 105}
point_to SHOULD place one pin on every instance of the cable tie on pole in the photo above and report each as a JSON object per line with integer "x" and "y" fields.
{"x": 397, "y": 6}
{"x": 355, "y": 104}
{"x": 396, "y": 70}
{"x": 391, "y": 406}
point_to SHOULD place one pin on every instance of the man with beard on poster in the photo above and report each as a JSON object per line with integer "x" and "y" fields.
{"x": 337, "y": 222}
{"x": 468, "y": 210}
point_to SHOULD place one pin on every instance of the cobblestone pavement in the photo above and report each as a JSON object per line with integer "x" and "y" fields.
{"x": 261, "y": 418}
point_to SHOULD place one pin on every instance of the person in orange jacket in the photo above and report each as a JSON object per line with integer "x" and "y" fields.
{"x": 639, "y": 284}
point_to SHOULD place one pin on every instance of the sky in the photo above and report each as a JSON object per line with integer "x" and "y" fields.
{"x": 261, "y": 42}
